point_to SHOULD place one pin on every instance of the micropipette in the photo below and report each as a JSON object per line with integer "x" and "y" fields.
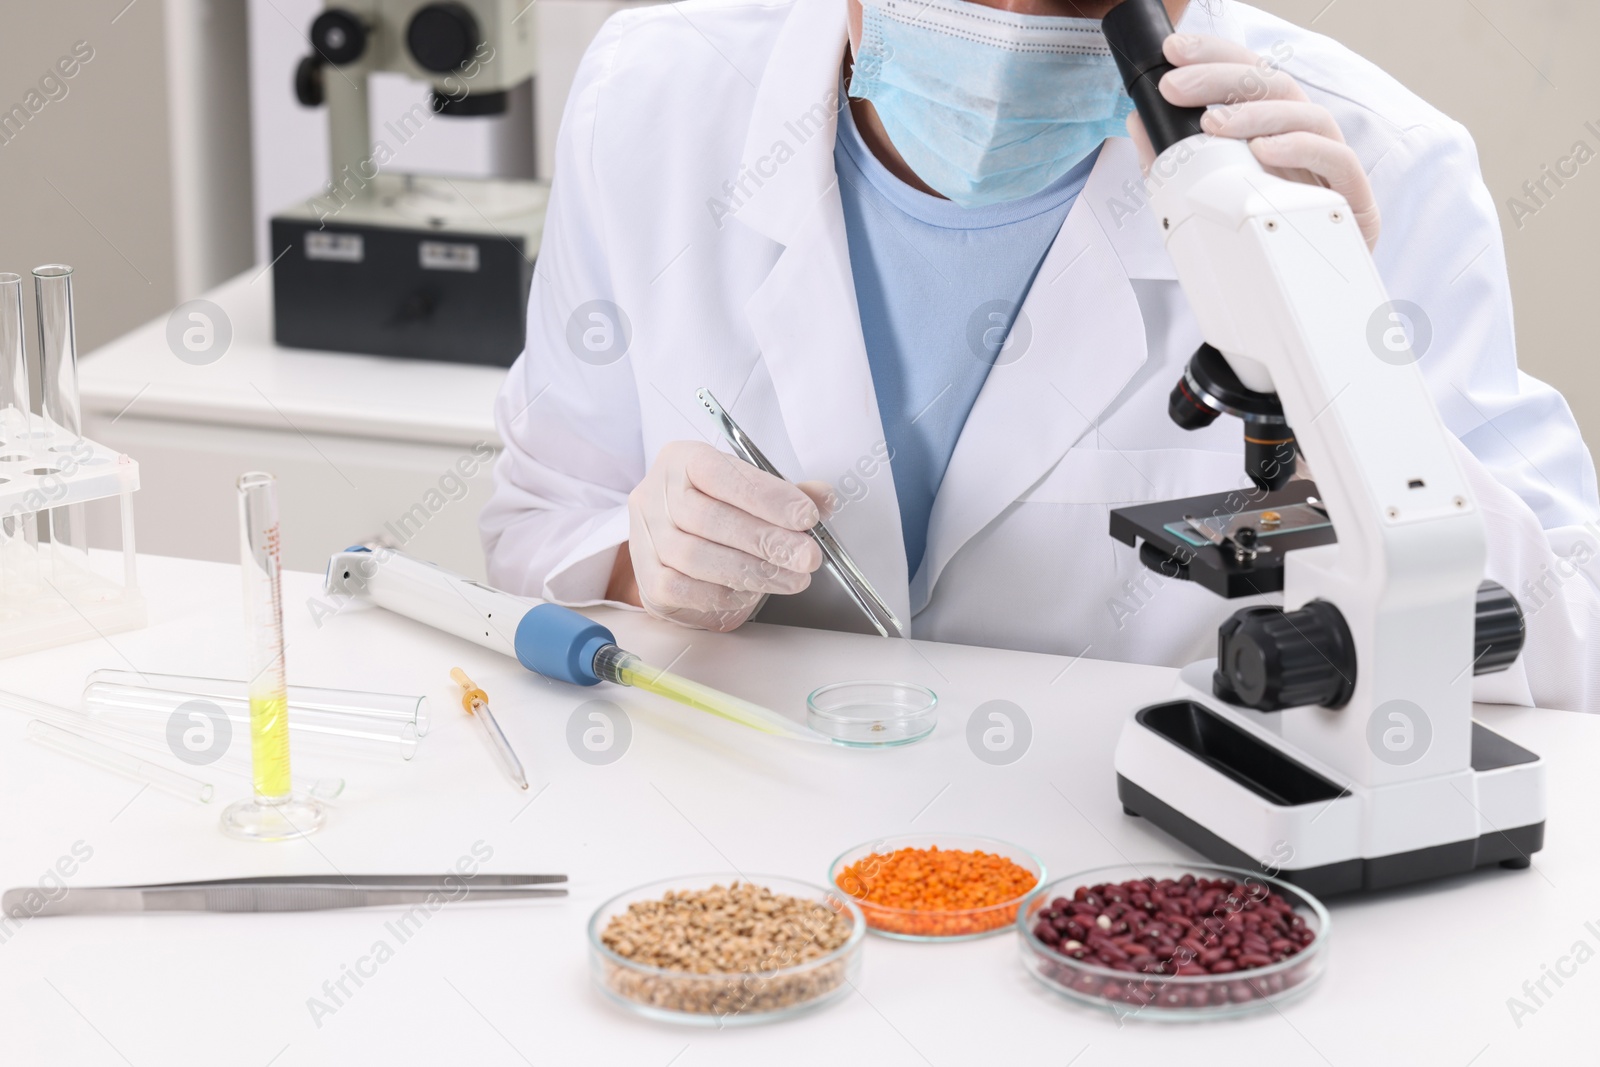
{"x": 547, "y": 639}
{"x": 476, "y": 703}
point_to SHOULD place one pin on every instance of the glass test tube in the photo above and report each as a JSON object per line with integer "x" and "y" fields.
{"x": 62, "y": 425}
{"x": 275, "y": 813}
{"x": 155, "y": 741}
{"x": 333, "y": 720}
{"x": 15, "y": 424}
{"x": 19, "y": 530}
{"x": 114, "y": 759}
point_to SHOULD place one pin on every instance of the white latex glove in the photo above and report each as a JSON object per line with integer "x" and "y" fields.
{"x": 710, "y": 536}
{"x": 1252, "y": 100}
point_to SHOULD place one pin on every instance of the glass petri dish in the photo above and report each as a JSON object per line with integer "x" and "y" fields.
{"x": 720, "y": 999}
{"x": 1172, "y": 998}
{"x": 910, "y": 924}
{"x": 872, "y": 714}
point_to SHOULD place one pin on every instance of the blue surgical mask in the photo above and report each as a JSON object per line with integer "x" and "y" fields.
{"x": 986, "y": 105}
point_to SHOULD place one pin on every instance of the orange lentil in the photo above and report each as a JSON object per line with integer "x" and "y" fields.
{"x": 934, "y": 892}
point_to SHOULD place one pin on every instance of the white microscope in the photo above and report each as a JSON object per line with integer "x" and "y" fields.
{"x": 1332, "y": 741}
{"x": 404, "y": 264}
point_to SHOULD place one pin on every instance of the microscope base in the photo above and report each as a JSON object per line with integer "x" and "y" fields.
{"x": 1224, "y": 785}
{"x": 424, "y": 268}
{"x": 1510, "y": 848}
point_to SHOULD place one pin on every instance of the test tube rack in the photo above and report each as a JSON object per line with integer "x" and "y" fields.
{"x": 54, "y": 594}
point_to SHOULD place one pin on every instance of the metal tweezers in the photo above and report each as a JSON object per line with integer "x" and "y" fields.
{"x": 838, "y": 562}
{"x": 280, "y": 893}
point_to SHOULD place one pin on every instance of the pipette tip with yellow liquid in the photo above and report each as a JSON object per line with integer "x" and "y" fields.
{"x": 624, "y": 668}
{"x": 275, "y": 812}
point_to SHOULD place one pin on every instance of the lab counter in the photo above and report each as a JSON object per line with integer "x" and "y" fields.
{"x": 363, "y": 446}
{"x": 1420, "y": 976}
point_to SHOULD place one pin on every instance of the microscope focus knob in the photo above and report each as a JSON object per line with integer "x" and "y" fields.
{"x": 1270, "y": 659}
{"x": 1499, "y": 630}
{"x": 442, "y": 37}
{"x": 339, "y": 36}
{"x": 308, "y": 87}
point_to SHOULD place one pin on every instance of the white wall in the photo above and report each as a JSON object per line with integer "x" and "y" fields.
{"x": 208, "y": 103}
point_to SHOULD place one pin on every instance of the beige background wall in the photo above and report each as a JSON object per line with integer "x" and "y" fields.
{"x": 1518, "y": 73}
{"x": 87, "y": 180}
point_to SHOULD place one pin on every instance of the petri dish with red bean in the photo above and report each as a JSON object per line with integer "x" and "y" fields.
{"x": 1174, "y": 941}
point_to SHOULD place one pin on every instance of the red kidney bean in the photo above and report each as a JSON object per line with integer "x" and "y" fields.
{"x": 1108, "y": 948}
{"x": 1190, "y": 927}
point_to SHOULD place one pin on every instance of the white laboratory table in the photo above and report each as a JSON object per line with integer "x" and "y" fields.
{"x": 358, "y": 443}
{"x": 1420, "y": 976}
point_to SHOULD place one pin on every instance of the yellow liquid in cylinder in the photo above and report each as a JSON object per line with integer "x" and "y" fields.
{"x": 269, "y": 744}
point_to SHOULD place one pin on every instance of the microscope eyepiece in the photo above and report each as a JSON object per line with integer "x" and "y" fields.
{"x": 339, "y": 36}
{"x": 1136, "y": 30}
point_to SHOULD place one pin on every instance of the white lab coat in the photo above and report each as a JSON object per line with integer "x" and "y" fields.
{"x": 695, "y": 190}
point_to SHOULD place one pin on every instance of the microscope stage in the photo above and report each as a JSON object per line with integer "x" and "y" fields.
{"x": 1281, "y": 521}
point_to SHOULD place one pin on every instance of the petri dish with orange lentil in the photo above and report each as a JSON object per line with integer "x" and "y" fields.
{"x": 938, "y": 887}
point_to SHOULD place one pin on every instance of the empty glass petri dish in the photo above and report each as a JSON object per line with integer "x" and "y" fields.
{"x": 872, "y": 714}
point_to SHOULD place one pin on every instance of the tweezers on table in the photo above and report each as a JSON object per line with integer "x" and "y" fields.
{"x": 280, "y": 893}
